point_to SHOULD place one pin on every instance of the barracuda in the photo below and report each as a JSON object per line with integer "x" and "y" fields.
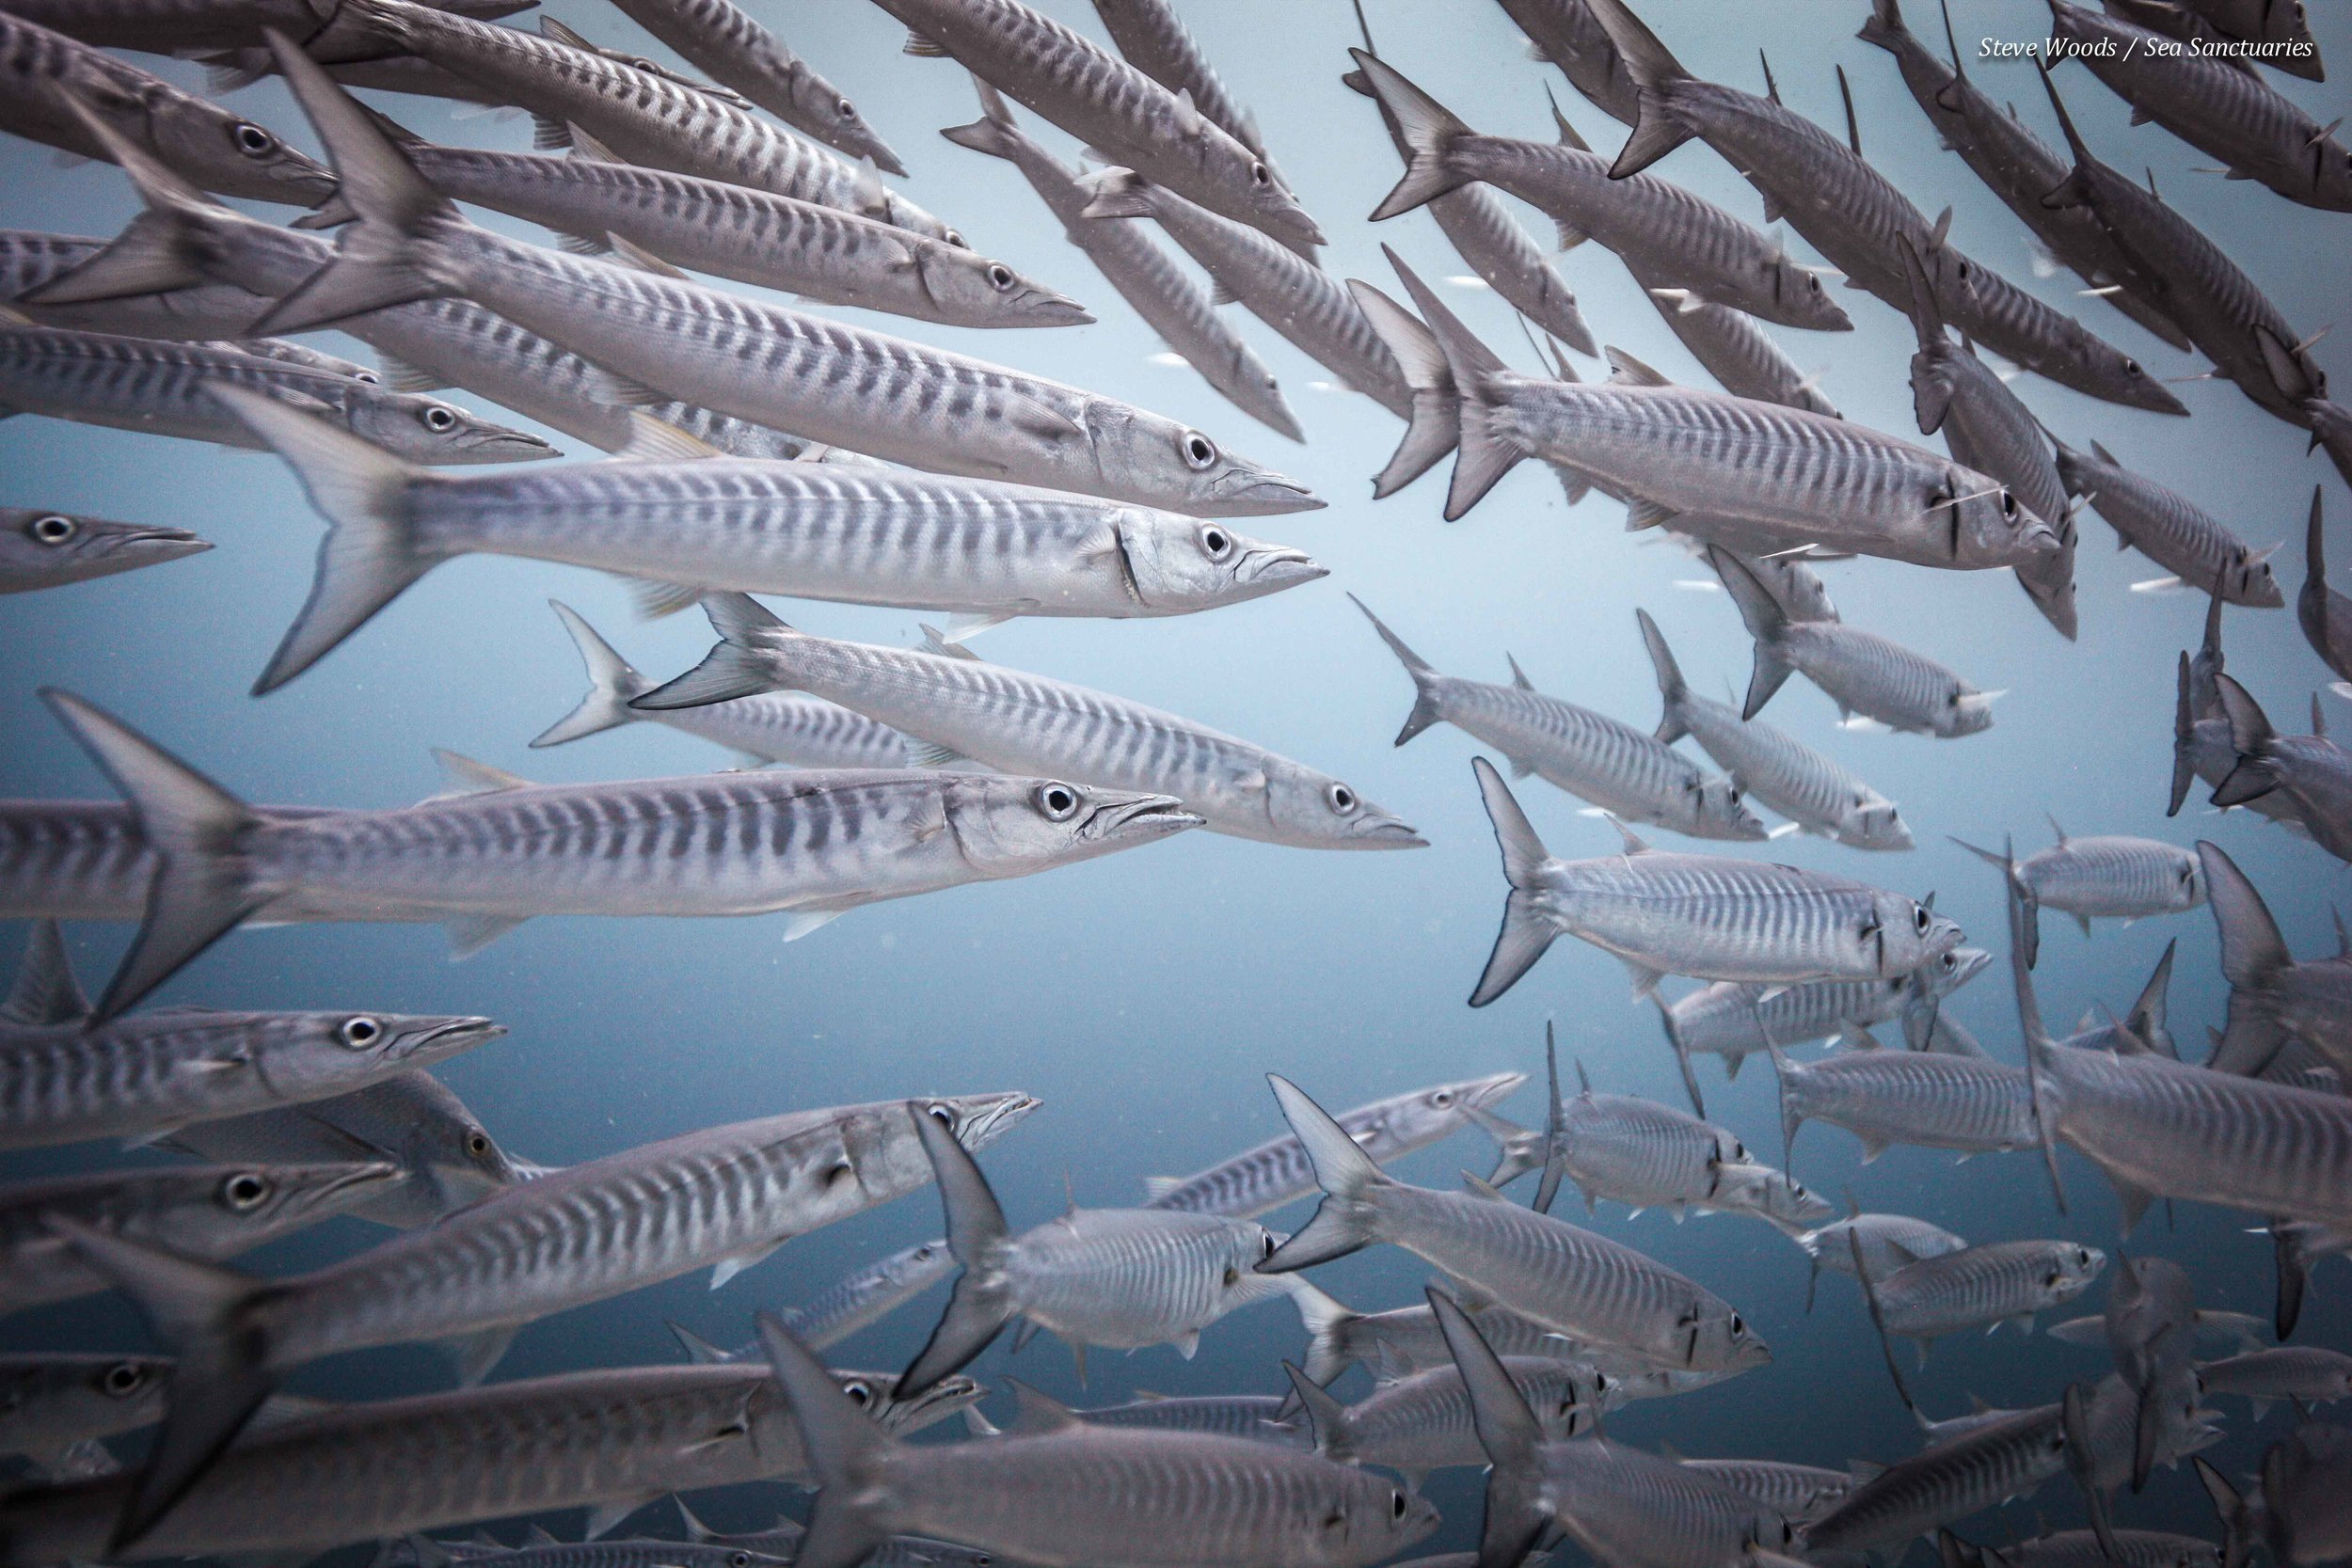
{"x": 2170, "y": 530}
{"x": 979, "y": 712}
{"x": 1565, "y": 33}
{"x": 1707, "y": 916}
{"x": 1586, "y": 1287}
{"x": 1424, "y": 1422}
{"x": 1782, "y": 771}
{"x": 1856, "y": 217}
{"x": 1599, "y": 759}
{"x": 1737, "y": 351}
{"x": 1146, "y": 277}
{"x": 1931, "y": 1099}
{"x": 2311, "y": 771}
{"x": 2101, "y": 878}
{"x": 2273, "y": 999}
{"x": 611, "y": 1440}
{"x": 2325, "y": 615}
{"x": 1108, "y": 104}
{"x": 718, "y": 39}
{"x": 1984, "y": 1286}
{"x": 185, "y": 27}
{"x": 1796, "y": 1492}
{"x": 1669, "y": 237}
{"x": 484, "y": 860}
{"x": 1735, "y": 1021}
{"x": 39, "y": 549}
{"x": 1277, "y": 1170}
{"x": 1155, "y": 39}
{"x": 50, "y": 1403}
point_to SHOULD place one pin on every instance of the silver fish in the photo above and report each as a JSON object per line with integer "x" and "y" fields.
{"x": 1485, "y": 234}
{"x": 50, "y": 86}
{"x": 1740, "y": 355}
{"x": 448, "y": 1159}
{"x": 787, "y": 727}
{"x": 2325, "y": 614}
{"x": 2170, "y": 530}
{"x": 1620, "y": 1504}
{"x": 1990, "y": 431}
{"x": 2279, "y": 25}
{"x": 1107, "y": 105}
{"x": 1782, "y": 771}
{"x": 209, "y": 1212}
{"x": 30, "y": 258}
{"x": 2149, "y": 1327}
{"x": 2311, "y": 771}
{"x": 2220, "y": 308}
{"x": 542, "y": 1550}
{"x": 851, "y": 1303}
{"x": 611, "y": 1440}
{"x": 2014, "y": 164}
{"x": 2273, "y": 999}
{"x": 1260, "y": 1417}
{"x": 67, "y": 1080}
{"x": 1798, "y": 1491}
{"x": 1593, "y": 1290}
{"x": 1735, "y": 1021}
{"x": 2216, "y": 105}
{"x": 483, "y": 862}
{"x": 1669, "y": 237}
{"x": 644, "y": 118}
{"x": 2144, "y": 1027}
{"x": 1984, "y": 1286}
{"x": 1931, "y": 1099}
{"x": 1855, "y": 216}
{"x": 2134, "y": 1549}
{"x": 187, "y": 27}
{"x": 1707, "y": 916}
{"x": 1860, "y": 670}
{"x": 1564, "y": 33}
{"x": 1120, "y": 1279}
{"x": 2157, "y": 1128}
{"x": 39, "y": 549}
{"x": 2202, "y": 746}
{"x": 2307, "y": 1374}
{"x": 1154, "y": 39}
{"x": 1146, "y": 277}
{"x": 1150, "y": 1497}
{"x": 1275, "y": 1172}
{"x": 2008, "y": 1456}
{"x": 1290, "y": 293}
{"x": 1885, "y": 1242}
{"x": 823, "y": 381}
{"x": 1599, "y": 759}
{"x": 716, "y": 38}
{"x": 2303, "y": 1514}
{"x": 166, "y": 389}
{"x": 966, "y": 708}
{"x": 72, "y": 860}
{"x": 1422, "y": 1422}
{"x": 2102, "y": 878}
{"x": 724, "y": 1196}
{"x": 51, "y": 1402}
{"x": 900, "y": 1551}
{"x": 802, "y": 248}
{"x": 857, "y": 533}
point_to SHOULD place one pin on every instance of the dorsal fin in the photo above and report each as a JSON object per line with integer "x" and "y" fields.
{"x": 465, "y": 776}
{"x": 935, "y": 641}
{"x": 45, "y": 991}
{"x": 1560, "y": 122}
{"x": 1518, "y": 676}
{"x": 1583, "y": 1079}
{"x": 1630, "y": 372}
{"x": 1632, "y": 841}
{"x": 1771, "y": 88}
{"x": 659, "y": 441}
{"x": 2056, "y": 829}
{"x": 1040, "y": 1412}
{"x": 1854, "y": 126}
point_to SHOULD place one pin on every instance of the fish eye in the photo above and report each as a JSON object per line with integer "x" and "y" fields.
{"x": 739, "y": 1560}
{"x": 2082, "y": 1256}
{"x": 846, "y": 109}
{"x": 478, "y": 1144}
{"x": 1441, "y": 1099}
{"x": 1258, "y": 175}
{"x": 438, "y": 420}
{"x": 1920, "y": 918}
{"x": 246, "y": 1191}
{"x": 1738, "y": 1326}
{"x": 2131, "y": 367}
{"x": 361, "y": 1032}
{"x": 51, "y": 529}
{"x": 253, "y": 141}
{"x": 1199, "y": 452}
{"x": 1057, "y": 801}
{"x": 956, "y": 238}
{"x": 859, "y": 1395}
{"x": 2009, "y": 506}
{"x": 123, "y": 1379}
{"x": 1397, "y": 1506}
{"x": 999, "y": 277}
{"x": 1813, "y": 282}
{"x": 1267, "y": 1244}
{"x": 1215, "y": 542}
{"x": 942, "y": 1114}
{"x": 1343, "y": 800}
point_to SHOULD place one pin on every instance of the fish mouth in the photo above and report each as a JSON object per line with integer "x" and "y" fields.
{"x": 1482, "y": 1092}
{"x": 340, "y": 1191}
{"x": 501, "y": 446}
{"x": 1262, "y": 493}
{"x": 1142, "y": 816}
{"x": 857, "y": 143}
{"x": 310, "y": 182}
{"x": 449, "y": 1037}
{"x": 2141, "y": 392}
{"x": 1287, "y": 220}
{"x": 931, "y": 1406}
{"x": 161, "y": 543}
{"x": 1044, "y": 308}
{"x": 1271, "y": 570}
{"x": 1379, "y": 831}
{"x": 1272, "y": 412}
{"x": 997, "y": 1119}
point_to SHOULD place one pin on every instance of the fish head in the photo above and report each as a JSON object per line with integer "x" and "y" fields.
{"x": 1412, "y": 1120}
{"x": 1244, "y": 378}
{"x": 2108, "y": 373}
{"x": 1758, "y": 1188}
{"x": 112, "y": 1390}
{"x": 62, "y": 546}
{"x": 224, "y": 152}
{"x": 971, "y": 290}
{"x": 300, "y": 1053}
{"x": 1008, "y": 825}
{"x": 2249, "y": 580}
{"x": 427, "y": 430}
{"x": 1184, "y": 470}
{"x": 2072, "y": 1267}
{"x": 1803, "y": 298}
{"x": 877, "y": 1394}
{"x": 1314, "y": 810}
{"x": 979, "y": 1120}
{"x": 1717, "y": 808}
{"x": 1906, "y": 935}
{"x": 1978, "y": 521}
{"x": 1950, "y": 970}
{"x": 1967, "y": 711}
{"x": 1365, "y": 1519}
{"x": 1176, "y": 566}
{"x": 1720, "y": 1339}
{"x": 835, "y": 121}
{"x": 1568, "y": 1397}
{"x": 1871, "y": 822}
{"x": 245, "y": 1199}
{"x": 1249, "y": 1246}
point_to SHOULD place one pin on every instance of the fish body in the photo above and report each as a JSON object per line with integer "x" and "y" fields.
{"x": 1706, "y": 916}
{"x": 2008, "y": 1456}
{"x": 1260, "y": 1417}
{"x": 2170, "y": 530}
{"x": 769, "y": 727}
{"x": 72, "y": 860}
{"x": 641, "y": 117}
{"x": 1154, "y": 39}
{"x": 1108, "y": 104}
{"x": 1770, "y": 765}
{"x": 2311, "y": 771}
{"x": 1860, "y": 670}
{"x": 2108, "y": 878}
{"x": 1275, "y": 1172}
{"x": 1888, "y": 1242}
{"x": 722, "y": 41}
{"x": 40, "y": 548}
{"x": 1740, "y": 355}
{"x": 166, "y": 389}
{"x": 2325, "y": 615}
{"x": 187, "y": 27}
{"x": 448, "y": 1158}
{"x": 2308, "y": 1374}
{"x": 2304, "y": 1510}
{"x": 1583, "y": 1286}
{"x": 209, "y": 1212}
{"x": 44, "y": 75}
{"x": 2216, "y": 105}
{"x": 1928, "y": 1098}
{"x": 1424, "y": 1422}
{"x": 50, "y": 1403}
{"x": 1796, "y": 1492}
{"x": 1632, "y": 776}
{"x": 983, "y": 712}
{"x": 1566, "y": 33}
{"x": 1983, "y": 1287}
{"x": 2273, "y": 999}
{"x": 2134, "y": 1549}
{"x": 1147, "y": 276}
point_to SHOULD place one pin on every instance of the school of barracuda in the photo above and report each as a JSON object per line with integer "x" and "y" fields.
{"x": 749, "y": 445}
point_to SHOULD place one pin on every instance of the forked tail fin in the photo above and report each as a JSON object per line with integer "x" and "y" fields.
{"x": 1526, "y": 933}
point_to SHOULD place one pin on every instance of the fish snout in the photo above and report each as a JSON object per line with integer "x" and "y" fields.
{"x": 1124, "y": 814}
{"x": 437, "y": 1038}
{"x": 1040, "y": 307}
{"x": 1377, "y": 830}
{"x": 1247, "y": 491}
{"x": 1278, "y": 566}
{"x": 496, "y": 444}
